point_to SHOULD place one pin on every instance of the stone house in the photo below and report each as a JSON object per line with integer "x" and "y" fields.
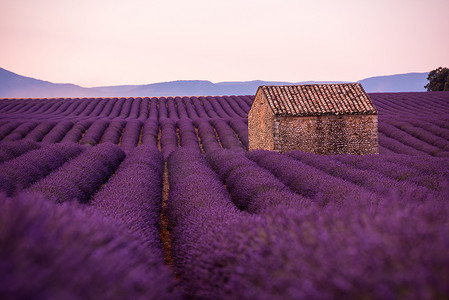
{"x": 318, "y": 118}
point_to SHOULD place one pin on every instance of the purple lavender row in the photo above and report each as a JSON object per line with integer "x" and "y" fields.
{"x": 83, "y": 103}
{"x": 193, "y": 186}
{"x": 426, "y": 164}
{"x": 126, "y": 108}
{"x": 107, "y": 111}
{"x": 199, "y": 108}
{"x": 117, "y": 108}
{"x": 422, "y": 135}
{"x": 135, "y": 107}
{"x": 45, "y": 105}
{"x": 133, "y": 195}
{"x": 385, "y": 151}
{"x": 239, "y": 126}
{"x": 94, "y": 133}
{"x": 131, "y": 135}
{"x": 144, "y": 109}
{"x": 56, "y": 104}
{"x": 7, "y": 104}
{"x": 248, "y": 100}
{"x": 153, "y": 114}
{"x": 396, "y": 146}
{"x": 29, "y": 107}
{"x": 58, "y": 109}
{"x": 259, "y": 257}
{"x": 108, "y": 107}
{"x": 150, "y": 132}
{"x": 10, "y": 150}
{"x": 433, "y": 179}
{"x": 180, "y": 108}
{"x": 162, "y": 109}
{"x": 370, "y": 179}
{"x": 236, "y": 107}
{"x": 251, "y": 187}
{"x": 407, "y": 139}
{"x": 188, "y": 135}
{"x": 76, "y": 132}
{"x": 207, "y": 135}
{"x": 39, "y": 132}
{"x": 391, "y": 104}
{"x": 306, "y": 180}
{"x": 21, "y": 131}
{"x": 99, "y": 106}
{"x": 430, "y": 127}
{"x": 211, "y": 111}
{"x": 171, "y": 109}
{"x": 227, "y": 136}
{"x": 318, "y": 253}
{"x": 225, "y": 103}
{"x": 73, "y": 252}
{"x": 82, "y": 176}
{"x": 440, "y": 122}
{"x": 190, "y": 108}
{"x": 58, "y": 132}
{"x": 211, "y": 103}
{"x": 430, "y": 104}
{"x": 20, "y": 173}
{"x": 92, "y": 102}
{"x": 67, "y": 107}
{"x": 197, "y": 204}
{"x": 423, "y": 105}
{"x": 113, "y": 132}
{"x": 8, "y": 128}
{"x": 169, "y": 138}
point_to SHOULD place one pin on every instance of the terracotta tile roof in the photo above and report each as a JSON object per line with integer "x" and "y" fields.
{"x": 318, "y": 99}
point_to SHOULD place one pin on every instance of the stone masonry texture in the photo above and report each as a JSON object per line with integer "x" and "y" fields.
{"x": 326, "y": 133}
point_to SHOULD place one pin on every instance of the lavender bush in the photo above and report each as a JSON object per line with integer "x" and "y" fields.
{"x": 94, "y": 133}
{"x": 66, "y": 251}
{"x": 390, "y": 249}
{"x": 21, "y": 131}
{"x": 113, "y": 132}
{"x": 58, "y": 132}
{"x": 20, "y": 173}
{"x": 131, "y": 135}
{"x": 305, "y": 180}
{"x": 81, "y": 177}
{"x": 134, "y": 195}
{"x": 38, "y": 133}
{"x": 10, "y": 150}
{"x": 251, "y": 187}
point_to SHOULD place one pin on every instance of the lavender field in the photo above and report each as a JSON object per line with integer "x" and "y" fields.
{"x": 159, "y": 198}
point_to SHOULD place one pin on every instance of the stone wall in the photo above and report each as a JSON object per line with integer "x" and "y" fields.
{"x": 260, "y": 124}
{"x": 328, "y": 134}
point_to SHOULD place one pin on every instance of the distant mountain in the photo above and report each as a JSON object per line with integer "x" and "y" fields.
{"x": 14, "y": 85}
{"x": 410, "y": 82}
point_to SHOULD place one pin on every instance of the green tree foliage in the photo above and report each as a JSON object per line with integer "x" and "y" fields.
{"x": 438, "y": 80}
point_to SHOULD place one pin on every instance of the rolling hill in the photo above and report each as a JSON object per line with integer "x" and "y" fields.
{"x": 13, "y": 85}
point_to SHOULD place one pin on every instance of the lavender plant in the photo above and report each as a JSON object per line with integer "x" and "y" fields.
{"x": 133, "y": 195}
{"x": 252, "y": 188}
{"x": 82, "y": 176}
{"x": 23, "y": 171}
{"x": 10, "y": 150}
{"x": 67, "y": 251}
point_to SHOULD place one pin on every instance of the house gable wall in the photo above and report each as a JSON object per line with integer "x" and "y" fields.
{"x": 260, "y": 124}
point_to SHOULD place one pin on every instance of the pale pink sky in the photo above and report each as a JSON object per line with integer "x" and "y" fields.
{"x": 112, "y": 42}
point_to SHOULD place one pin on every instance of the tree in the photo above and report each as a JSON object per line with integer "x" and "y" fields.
{"x": 438, "y": 80}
